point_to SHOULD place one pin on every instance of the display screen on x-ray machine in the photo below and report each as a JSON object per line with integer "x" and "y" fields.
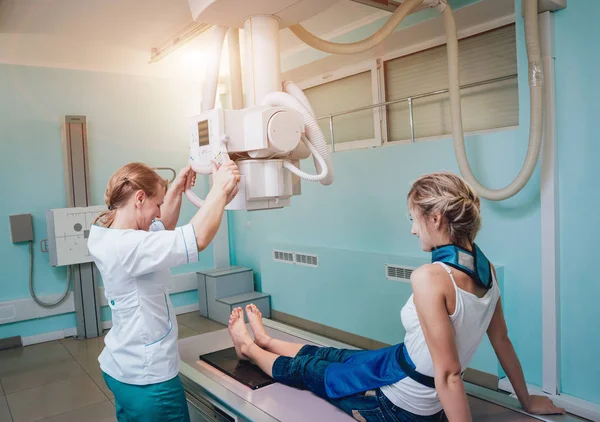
{"x": 203, "y": 138}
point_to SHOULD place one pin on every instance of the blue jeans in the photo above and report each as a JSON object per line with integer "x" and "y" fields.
{"x": 306, "y": 371}
{"x": 162, "y": 402}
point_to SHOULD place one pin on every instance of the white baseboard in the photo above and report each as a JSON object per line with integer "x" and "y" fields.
{"x": 572, "y": 404}
{"x": 106, "y": 325}
{"x": 46, "y": 337}
{"x": 187, "y": 309}
{"x": 26, "y": 309}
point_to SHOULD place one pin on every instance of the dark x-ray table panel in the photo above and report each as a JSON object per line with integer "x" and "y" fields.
{"x": 243, "y": 371}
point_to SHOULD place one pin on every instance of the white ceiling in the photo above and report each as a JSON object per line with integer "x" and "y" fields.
{"x": 117, "y": 35}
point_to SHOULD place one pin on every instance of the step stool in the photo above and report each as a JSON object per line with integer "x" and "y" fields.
{"x": 224, "y": 289}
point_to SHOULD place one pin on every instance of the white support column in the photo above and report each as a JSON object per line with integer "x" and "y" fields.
{"x": 235, "y": 69}
{"x": 262, "y": 73}
{"x": 220, "y": 244}
{"x": 549, "y": 208}
{"x": 262, "y": 69}
{"x": 211, "y": 79}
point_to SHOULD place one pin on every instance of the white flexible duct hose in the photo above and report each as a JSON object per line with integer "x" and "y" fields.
{"x": 536, "y": 105}
{"x": 313, "y": 131}
{"x": 295, "y": 91}
{"x": 361, "y": 46}
{"x": 317, "y": 156}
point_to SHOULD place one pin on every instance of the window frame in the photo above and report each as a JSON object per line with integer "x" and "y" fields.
{"x": 426, "y": 45}
{"x": 344, "y": 72}
{"x": 378, "y": 86}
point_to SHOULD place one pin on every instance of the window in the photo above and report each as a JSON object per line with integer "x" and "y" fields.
{"x": 483, "y": 58}
{"x": 353, "y": 130}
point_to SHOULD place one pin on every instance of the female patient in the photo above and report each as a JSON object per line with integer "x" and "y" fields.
{"x": 455, "y": 301}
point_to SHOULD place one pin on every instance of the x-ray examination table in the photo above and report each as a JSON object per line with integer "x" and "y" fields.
{"x": 214, "y": 396}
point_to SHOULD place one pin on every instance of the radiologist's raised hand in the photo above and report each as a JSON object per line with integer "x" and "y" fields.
{"x": 185, "y": 179}
{"x": 226, "y": 178}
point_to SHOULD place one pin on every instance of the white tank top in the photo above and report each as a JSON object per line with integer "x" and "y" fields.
{"x": 470, "y": 320}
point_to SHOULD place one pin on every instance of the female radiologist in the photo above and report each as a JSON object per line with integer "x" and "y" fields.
{"x": 134, "y": 244}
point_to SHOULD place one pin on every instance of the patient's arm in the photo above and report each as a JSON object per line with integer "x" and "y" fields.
{"x": 498, "y": 335}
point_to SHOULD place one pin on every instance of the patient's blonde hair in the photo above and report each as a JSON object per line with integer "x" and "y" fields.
{"x": 456, "y": 201}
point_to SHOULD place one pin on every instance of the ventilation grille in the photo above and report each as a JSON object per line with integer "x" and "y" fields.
{"x": 296, "y": 258}
{"x": 281, "y": 256}
{"x": 398, "y": 273}
{"x": 308, "y": 260}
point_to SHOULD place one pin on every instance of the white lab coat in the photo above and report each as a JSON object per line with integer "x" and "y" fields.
{"x": 141, "y": 347}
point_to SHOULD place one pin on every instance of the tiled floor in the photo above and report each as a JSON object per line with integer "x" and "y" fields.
{"x": 61, "y": 381}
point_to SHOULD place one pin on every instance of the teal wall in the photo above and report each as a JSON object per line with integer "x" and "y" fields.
{"x": 130, "y": 118}
{"x": 360, "y": 221}
{"x": 577, "y": 91}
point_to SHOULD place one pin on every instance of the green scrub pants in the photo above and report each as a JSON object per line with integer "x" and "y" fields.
{"x": 162, "y": 402}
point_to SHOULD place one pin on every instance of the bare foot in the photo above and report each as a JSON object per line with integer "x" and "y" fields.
{"x": 239, "y": 333}
{"x": 261, "y": 337}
